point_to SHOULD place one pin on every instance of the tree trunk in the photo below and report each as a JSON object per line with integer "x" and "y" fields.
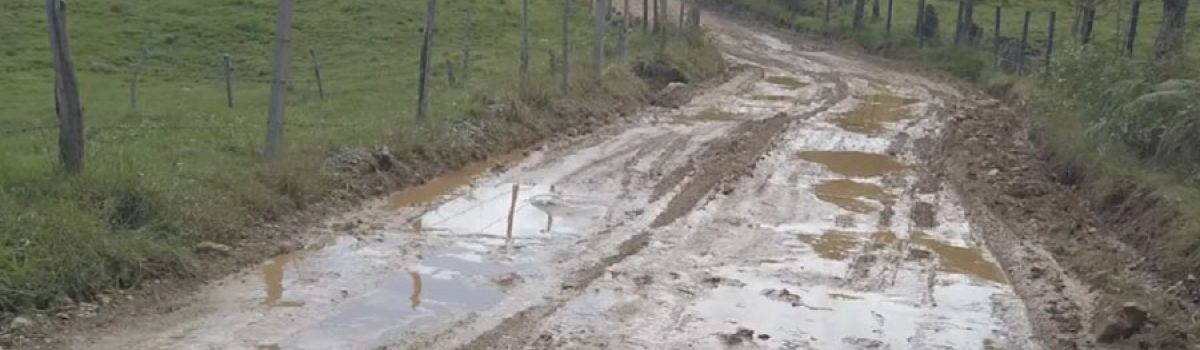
{"x": 1170, "y": 34}
{"x": 875, "y": 11}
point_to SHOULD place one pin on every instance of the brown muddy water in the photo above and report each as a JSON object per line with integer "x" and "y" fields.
{"x": 442, "y": 185}
{"x": 968, "y": 261}
{"x": 833, "y": 244}
{"x": 854, "y": 163}
{"x": 850, "y": 195}
{"x": 875, "y": 114}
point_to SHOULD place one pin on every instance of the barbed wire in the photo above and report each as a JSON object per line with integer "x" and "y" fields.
{"x": 20, "y": 130}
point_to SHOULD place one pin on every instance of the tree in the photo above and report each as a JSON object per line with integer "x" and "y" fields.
{"x": 1170, "y": 34}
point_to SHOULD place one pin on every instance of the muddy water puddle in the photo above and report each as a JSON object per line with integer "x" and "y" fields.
{"x": 442, "y": 185}
{"x": 875, "y": 113}
{"x": 851, "y": 195}
{"x": 272, "y": 274}
{"x": 786, "y": 82}
{"x": 715, "y": 115}
{"x": 854, "y": 163}
{"x": 961, "y": 260}
{"x": 833, "y": 244}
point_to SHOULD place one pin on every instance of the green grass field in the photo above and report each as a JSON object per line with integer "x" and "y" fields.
{"x": 184, "y": 168}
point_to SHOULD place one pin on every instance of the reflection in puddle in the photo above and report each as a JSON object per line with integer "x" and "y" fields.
{"x": 442, "y": 185}
{"x": 272, "y": 274}
{"x": 832, "y": 245}
{"x": 853, "y": 163}
{"x": 962, "y": 260}
{"x": 787, "y": 82}
{"x": 415, "y": 297}
{"x": 875, "y": 112}
{"x": 770, "y": 98}
{"x": 715, "y": 115}
{"x": 849, "y": 195}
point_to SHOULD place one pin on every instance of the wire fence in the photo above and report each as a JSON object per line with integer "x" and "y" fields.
{"x": 174, "y": 73}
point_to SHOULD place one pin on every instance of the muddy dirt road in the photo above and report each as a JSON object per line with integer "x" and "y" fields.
{"x": 786, "y": 208}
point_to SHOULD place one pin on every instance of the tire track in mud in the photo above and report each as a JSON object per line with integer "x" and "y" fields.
{"x": 721, "y": 160}
{"x": 726, "y": 158}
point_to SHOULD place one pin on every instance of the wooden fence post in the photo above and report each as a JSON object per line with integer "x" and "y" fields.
{"x": 958, "y": 22}
{"x": 860, "y": 7}
{"x": 682, "y": 8}
{"x": 524, "y": 44}
{"x": 228, "y": 82}
{"x": 1050, "y": 43}
{"x": 599, "y": 12}
{"x": 137, "y": 72}
{"x": 566, "y": 46}
{"x": 468, "y": 36}
{"x": 426, "y": 52}
{"x": 921, "y": 23}
{"x": 889, "y": 17}
{"x": 66, "y": 90}
{"x": 317, "y": 73}
{"x": 1024, "y": 43}
{"x": 657, "y": 17}
{"x": 1089, "y": 18}
{"x": 512, "y": 211}
{"x": 645, "y": 15}
{"x": 1133, "y": 24}
{"x": 283, "y": 39}
{"x": 996, "y": 41}
{"x": 623, "y": 35}
{"x": 828, "y": 10}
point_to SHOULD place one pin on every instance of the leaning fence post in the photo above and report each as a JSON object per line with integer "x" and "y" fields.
{"x": 228, "y": 82}
{"x": 137, "y": 72}
{"x": 1024, "y": 43}
{"x": 889, "y": 17}
{"x": 317, "y": 73}
{"x": 426, "y": 43}
{"x": 66, "y": 90}
{"x": 996, "y": 41}
{"x": 512, "y": 212}
{"x": 524, "y": 44}
{"x": 1050, "y": 43}
{"x": 283, "y": 39}
{"x": 1133, "y": 24}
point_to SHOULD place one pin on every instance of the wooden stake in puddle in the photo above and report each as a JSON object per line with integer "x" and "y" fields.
{"x": 512, "y": 211}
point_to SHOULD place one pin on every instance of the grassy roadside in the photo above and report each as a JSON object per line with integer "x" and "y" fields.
{"x": 1123, "y": 132}
{"x": 183, "y": 168}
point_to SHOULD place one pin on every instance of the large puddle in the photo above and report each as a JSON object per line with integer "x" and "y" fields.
{"x": 442, "y": 185}
{"x": 962, "y": 260}
{"x": 850, "y": 195}
{"x": 715, "y": 115}
{"x": 875, "y": 113}
{"x": 854, "y": 163}
{"x": 832, "y": 245}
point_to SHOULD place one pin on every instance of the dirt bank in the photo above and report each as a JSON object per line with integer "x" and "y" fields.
{"x": 1044, "y": 230}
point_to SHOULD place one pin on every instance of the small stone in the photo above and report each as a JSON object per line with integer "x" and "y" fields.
{"x": 211, "y": 247}
{"x": 764, "y": 336}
